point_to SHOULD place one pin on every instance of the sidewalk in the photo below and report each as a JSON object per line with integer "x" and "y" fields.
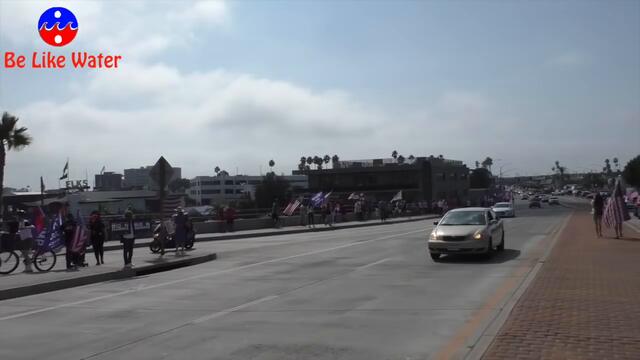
{"x": 583, "y": 304}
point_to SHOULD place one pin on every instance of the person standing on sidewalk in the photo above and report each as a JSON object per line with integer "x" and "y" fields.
{"x": 616, "y": 212}
{"x": 303, "y": 215}
{"x": 311, "y": 220}
{"x": 275, "y": 216}
{"x": 96, "y": 233}
{"x": 597, "y": 209}
{"x": 128, "y": 239}
{"x": 68, "y": 229}
{"x": 180, "y": 236}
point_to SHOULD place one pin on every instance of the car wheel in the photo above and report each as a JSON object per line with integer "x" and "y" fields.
{"x": 434, "y": 256}
{"x": 501, "y": 246}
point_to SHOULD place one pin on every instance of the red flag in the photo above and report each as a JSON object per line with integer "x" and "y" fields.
{"x": 38, "y": 220}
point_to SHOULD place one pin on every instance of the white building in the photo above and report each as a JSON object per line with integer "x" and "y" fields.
{"x": 210, "y": 190}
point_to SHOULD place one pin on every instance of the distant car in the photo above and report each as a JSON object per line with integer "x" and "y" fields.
{"x": 535, "y": 203}
{"x": 577, "y": 193}
{"x": 545, "y": 198}
{"x": 588, "y": 195}
{"x": 504, "y": 209}
{"x": 554, "y": 201}
{"x": 525, "y": 197}
{"x": 473, "y": 230}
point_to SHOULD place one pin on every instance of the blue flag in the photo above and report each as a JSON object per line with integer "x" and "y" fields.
{"x": 317, "y": 199}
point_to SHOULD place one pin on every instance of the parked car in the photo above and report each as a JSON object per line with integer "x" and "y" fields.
{"x": 554, "y": 201}
{"x": 544, "y": 198}
{"x": 504, "y": 209}
{"x": 472, "y": 230}
{"x": 534, "y": 203}
{"x": 525, "y": 197}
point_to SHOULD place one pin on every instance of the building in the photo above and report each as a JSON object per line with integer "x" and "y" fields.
{"x": 108, "y": 181}
{"x": 421, "y": 179}
{"x": 139, "y": 178}
{"x": 210, "y": 190}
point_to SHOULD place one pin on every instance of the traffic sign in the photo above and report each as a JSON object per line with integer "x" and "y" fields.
{"x": 161, "y": 172}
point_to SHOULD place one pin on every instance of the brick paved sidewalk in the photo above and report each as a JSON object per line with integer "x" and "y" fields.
{"x": 583, "y": 304}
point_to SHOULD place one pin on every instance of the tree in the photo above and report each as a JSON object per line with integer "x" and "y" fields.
{"x": 477, "y": 164}
{"x": 400, "y": 159}
{"x": 412, "y": 158}
{"x": 394, "y": 154}
{"x": 217, "y": 170}
{"x": 271, "y": 164}
{"x": 309, "y": 160}
{"x": 271, "y": 187}
{"x": 616, "y": 164}
{"x": 441, "y": 157}
{"x": 480, "y": 178}
{"x": 301, "y": 166}
{"x": 607, "y": 167}
{"x": 487, "y": 163}
{"x": 317, "y": 160}
{"x": 631, "y": 172}
{"x": 335, "y": 158}
{"x": 12, "y": 137}
{"x": 223, "y": 173}
{"x": 179, "y": 184}
{"x": 326, "y": 159}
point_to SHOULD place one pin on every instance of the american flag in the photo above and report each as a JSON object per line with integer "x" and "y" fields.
{"x": 291, "y": 208}
{"x": 80, "y": 236}
{"x": 616, "y": 211}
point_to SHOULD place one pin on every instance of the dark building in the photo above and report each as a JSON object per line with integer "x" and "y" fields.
{"x": 108, "y": 181}
{"x": 423, "y": 179}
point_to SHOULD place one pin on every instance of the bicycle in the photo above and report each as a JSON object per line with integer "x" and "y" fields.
{"x": 44, "y": 259}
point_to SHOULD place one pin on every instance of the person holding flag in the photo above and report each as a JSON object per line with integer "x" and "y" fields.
{"x": 79, "y": 243}
{"x": 615, "y": 213}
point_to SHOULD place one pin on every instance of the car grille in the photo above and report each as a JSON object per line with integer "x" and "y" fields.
{"x": 453, "y": 238}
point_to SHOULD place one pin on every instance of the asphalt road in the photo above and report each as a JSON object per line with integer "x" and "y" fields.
{"x": 366, "y": 293}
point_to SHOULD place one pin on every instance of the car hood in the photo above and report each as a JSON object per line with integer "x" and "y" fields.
{"x": 502, "y": 209}
{"x": 458, "y": 230}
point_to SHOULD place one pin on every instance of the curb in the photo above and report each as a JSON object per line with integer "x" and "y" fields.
{"x": 281, "y": 232}
{"x": 96, "y": 278}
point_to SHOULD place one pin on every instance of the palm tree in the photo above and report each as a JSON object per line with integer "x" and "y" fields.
{"x": 615, "y": 163}
{"x": 11, "y": 138}
{"x": 271, "y": 164}
{"x": 477, "y": 164}
{"x": 326, "y": 159}
{"x": 607, "y": 166}
{"x": 217, "y": 170}
{"x": 412, "y": 158}
{"x": 318, "y": 161}
{"x": 400, "y": 159}
{"x": 487, "y": 163}
{"x": 309, "y": 160}
{"x": 441, "y": 157}
{"x": 394, "y": 154}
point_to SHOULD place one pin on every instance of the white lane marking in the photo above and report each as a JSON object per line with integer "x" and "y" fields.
{"x": 55, "y": 307}
{"x": 373, "y": 264}
{"x": 233, "y": 309}
{"x": 632, "y": 226}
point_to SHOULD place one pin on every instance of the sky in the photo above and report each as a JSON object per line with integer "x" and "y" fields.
{"x": 236, "y": 83}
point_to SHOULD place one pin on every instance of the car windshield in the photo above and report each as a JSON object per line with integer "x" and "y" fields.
{"x": 502, "y": 205}
{"x": 464, "y": 218}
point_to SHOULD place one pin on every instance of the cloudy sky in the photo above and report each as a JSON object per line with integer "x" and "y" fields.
{"x": 234, "y": 84}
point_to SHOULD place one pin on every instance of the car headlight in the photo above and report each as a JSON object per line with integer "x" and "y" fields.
{"x": 477, "y": 235}
{"x": 433, "y": 236}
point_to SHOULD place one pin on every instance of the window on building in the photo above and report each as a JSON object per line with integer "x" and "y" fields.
{"x": 228, "y": 182}
{"x": 238, "y": 191}
{"x": 228, "y": 191}
{"x": 209, "y": 192}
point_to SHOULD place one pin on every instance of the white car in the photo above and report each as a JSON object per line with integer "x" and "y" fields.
{"x": 504, "y": 209}
{"x": 554, "y": 200}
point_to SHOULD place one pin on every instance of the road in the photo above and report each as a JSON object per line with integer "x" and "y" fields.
{"x": 366, "y": 293}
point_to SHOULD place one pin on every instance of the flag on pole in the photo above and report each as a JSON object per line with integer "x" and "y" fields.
{"x": 397, "y": 197}
{"x": 51, "y": 238}
{"x": 41, "y": 185}
{"x": 616, "y": 211}
{"x": 80, "y": 236}
{"x": 103, "y": 169}
{"x": 292, "y": 207}
{"x": 38, "y": 220}
{"x": 353, "y": 196}
{"x": 326, "y": 196}
{"x": 65, "y": 171}
{"x": 317, "y": 199}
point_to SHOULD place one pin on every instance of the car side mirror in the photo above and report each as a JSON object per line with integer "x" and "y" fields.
{"x": 493, "y": 222}
{"x": 435, "y": 223}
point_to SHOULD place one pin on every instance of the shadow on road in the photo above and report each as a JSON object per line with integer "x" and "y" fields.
{"x": 497, "y": 258}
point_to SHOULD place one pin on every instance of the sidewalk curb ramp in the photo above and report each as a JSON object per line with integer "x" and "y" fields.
{"x": 40, "y": 288}
{"x": 233, "y": 236}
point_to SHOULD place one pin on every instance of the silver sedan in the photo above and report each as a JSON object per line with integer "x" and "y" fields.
{"x": 467, "y": 231}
